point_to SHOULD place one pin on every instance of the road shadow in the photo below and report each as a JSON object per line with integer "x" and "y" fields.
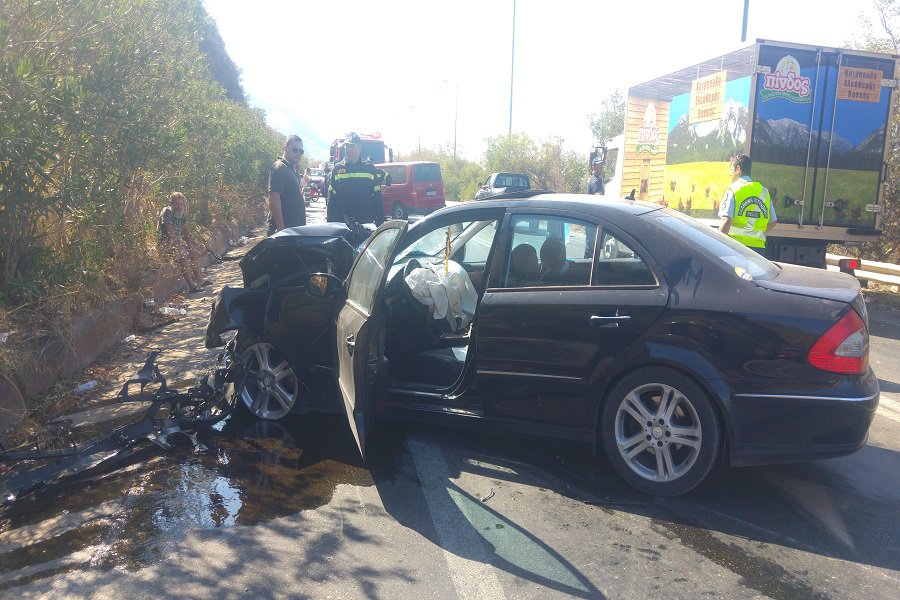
{"x": 846, "y": 508}
{"x": 461, "y": 524}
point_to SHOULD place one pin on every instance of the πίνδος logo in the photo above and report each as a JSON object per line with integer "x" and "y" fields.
{"x": 787, "y": 82}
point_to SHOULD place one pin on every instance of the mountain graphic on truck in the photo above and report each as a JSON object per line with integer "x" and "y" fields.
{"x": 814, "y": 121}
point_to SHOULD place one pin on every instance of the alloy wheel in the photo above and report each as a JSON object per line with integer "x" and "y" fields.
{"x": 270, "y": 387}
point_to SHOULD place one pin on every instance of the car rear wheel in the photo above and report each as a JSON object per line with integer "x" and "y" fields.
{"x": 399, "y": 211}
{"x": 660, "y": 431}
{"x": 270, "y": 387}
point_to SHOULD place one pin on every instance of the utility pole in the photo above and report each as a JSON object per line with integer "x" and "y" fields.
{"x": 744, "y": 28}
{"x": 512, "y": 66}
{"x": 455, "y": 118}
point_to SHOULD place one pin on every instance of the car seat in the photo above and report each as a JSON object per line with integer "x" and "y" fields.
{"x": 524, "y": 268}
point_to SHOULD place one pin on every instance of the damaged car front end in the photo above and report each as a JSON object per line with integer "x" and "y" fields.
{"x": 284, "y": 352}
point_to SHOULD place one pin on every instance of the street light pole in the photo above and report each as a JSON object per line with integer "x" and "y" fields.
{"x": 512, "y": 67}
{"x": 744, "y": 27}
{"x": 455, "y": 118}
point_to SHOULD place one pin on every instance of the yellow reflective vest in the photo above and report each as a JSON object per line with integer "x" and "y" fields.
{"x": 751, "y": 211}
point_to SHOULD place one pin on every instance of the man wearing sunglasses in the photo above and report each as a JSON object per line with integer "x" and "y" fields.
{"x": 286, "y": 207}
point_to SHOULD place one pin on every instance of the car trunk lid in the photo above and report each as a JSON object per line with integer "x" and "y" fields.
{"x": 816, "y": 283}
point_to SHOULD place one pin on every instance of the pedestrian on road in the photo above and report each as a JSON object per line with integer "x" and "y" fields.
{"x": 176, "y": 238}
{"x": 286, "y": 206}
{"x": 595, "y": 183}
{"x": 354, "y": 190}
{"x": 746, "y": 212}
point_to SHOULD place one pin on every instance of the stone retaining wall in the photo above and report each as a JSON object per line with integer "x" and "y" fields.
{"x": 91, "y": 336}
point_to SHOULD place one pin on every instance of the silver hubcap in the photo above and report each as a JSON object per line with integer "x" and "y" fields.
{"x": 658, "y": 432}
{"x": 270, "y": 388}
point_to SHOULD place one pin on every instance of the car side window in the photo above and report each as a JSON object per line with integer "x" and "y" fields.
{"x": 549, "y": 251}
{"x": 619, "y": 265}
{"x": 365, "y": 278}
{"x": 398, "y": 174}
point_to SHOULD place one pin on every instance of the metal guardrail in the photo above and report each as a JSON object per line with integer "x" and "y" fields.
{"x": 875, "y": 271}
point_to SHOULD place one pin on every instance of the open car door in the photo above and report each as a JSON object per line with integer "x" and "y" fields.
{"x": 360, "y": 335}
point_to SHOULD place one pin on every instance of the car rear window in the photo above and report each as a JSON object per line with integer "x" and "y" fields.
{"x": 518, "y": 181}
{"x": 427, "y": 173}
{"x": 745, "y": 262}
{"x": 398, "y": 174}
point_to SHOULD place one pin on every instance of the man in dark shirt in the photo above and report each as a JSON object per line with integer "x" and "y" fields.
{"x": 595, "y": 183}
{"x": 286, "y": 206}
{"x": 354, "y": 190}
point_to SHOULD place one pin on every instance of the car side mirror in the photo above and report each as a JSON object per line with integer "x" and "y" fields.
{"x": 321, "y": 285}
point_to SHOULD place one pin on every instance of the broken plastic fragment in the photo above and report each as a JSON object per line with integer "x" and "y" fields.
{"x": 86, "y": 386}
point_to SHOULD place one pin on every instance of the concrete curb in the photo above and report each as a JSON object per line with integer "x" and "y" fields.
{"x": 92, "y": 335}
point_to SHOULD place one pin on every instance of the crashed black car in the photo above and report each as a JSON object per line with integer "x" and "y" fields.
{"x": 680, "y": 349}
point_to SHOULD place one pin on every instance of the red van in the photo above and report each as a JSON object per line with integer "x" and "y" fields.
{"x": 415, "y": 188}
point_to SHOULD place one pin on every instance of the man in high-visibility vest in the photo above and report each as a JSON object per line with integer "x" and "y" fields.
{"x": 746, "y": 212}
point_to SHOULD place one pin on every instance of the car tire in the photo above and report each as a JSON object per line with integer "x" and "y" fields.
{"x": 269, "y": 388}
{"x": 399, "y": 211}
{"x": 660, "y": 431}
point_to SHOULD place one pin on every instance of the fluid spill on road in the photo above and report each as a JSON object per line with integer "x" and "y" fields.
{"x": 253, "y": 471}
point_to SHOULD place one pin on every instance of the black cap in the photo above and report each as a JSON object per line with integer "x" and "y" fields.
{"x": 352, "y": 138}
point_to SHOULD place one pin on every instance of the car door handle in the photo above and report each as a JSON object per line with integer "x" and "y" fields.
{"x": 614, "y": 321}
{"x": 350, "y": 341}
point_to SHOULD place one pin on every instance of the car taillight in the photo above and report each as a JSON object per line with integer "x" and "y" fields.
{"x": 844, "y": 348}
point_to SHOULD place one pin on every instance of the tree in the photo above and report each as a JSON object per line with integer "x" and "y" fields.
{"x": 545, "y": 162}
{"x": 607, "y": 124}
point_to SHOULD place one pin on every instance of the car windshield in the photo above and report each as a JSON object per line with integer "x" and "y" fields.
{"x": 745, "y": 262}
{"x": 434, "y": 243}
{"x": 316, "y": 173}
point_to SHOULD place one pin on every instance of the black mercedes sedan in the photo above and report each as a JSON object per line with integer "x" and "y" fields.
{"x": 679, "y": 349}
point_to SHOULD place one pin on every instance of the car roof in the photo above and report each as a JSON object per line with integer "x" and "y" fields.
{"x": 406, "y": 162}
{"x": 597, "y": 205}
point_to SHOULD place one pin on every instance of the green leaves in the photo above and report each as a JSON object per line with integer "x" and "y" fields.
{"x": 108, "y": 106}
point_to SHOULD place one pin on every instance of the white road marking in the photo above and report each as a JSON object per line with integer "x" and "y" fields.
{"x": 889, "y": 408}
{"x": 463, "y": 549}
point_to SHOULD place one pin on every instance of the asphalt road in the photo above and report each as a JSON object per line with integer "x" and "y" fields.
{"x": 288, "y": 510}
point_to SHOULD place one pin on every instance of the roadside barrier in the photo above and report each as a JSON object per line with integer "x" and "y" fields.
{"x": 871, "y": 270}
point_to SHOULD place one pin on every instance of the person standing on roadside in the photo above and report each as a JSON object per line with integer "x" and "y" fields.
{"x": 286, "y": 206}
{"x": 174, "y": 233}
{"x": 746, "y": 212}
{"x": 595, "y": 183}
{"x": 354, "y": 190}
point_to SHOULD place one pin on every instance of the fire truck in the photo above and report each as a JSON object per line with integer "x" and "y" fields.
{"x": 373, "y": 149}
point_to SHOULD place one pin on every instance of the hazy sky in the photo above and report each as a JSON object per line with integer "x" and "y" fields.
{"x": 322, "y": 68}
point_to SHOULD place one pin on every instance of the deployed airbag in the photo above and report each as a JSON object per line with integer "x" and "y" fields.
{"x": 450, "y": 295}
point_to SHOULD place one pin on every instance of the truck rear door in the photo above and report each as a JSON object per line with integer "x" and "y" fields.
{"x": 819, "y": 133}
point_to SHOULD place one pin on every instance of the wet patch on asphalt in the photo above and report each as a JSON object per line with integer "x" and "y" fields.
{"x": 252, "y": 472}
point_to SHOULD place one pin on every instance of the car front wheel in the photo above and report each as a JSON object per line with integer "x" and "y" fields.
{"x": 660, "y": 431}
{"x": 270, "y": 387}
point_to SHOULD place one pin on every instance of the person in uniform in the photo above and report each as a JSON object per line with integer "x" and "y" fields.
{"x": 747, "y": 213}
{"x": 354, "y": 188}
{"x": 595, "y": 183}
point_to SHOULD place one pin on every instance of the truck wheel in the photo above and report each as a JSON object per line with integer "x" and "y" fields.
{"x": 660, "y": 431}
{"x": 399, "y": 211}
{"x": 270, "y": 388}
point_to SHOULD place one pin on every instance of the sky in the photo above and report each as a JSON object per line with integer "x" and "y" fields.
{"x": 426, "y": 74}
